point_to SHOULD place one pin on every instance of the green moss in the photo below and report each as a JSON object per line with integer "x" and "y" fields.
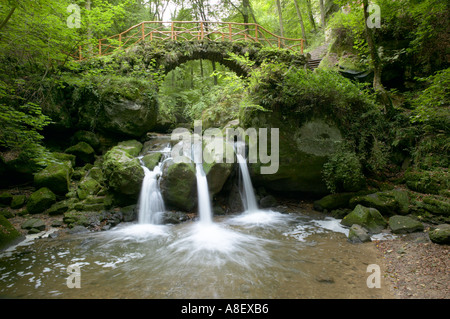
{"x": 152, "y": 160}
{"x": 40, "y": 200}
{"x": 8, "y": 234}
{"x": 84, "y": 153}
{"x": 369, "y": 218}
{"x": 56, "y": 177}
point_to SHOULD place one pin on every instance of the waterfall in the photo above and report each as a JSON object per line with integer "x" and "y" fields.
{"x": 151, "y": 204}
{"x": 248, "y": 197}
{"x": 204, "y": 201}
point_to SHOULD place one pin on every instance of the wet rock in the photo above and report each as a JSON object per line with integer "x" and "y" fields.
{"x": 131, "y": 147}
{"x": 78, "y": 229}
{"x": 178, "y": 185}
{"x": 129, "y": 213}
{"x": 174, "y": 217}
{"x": 59, "y": 208}
{"x": 367, "y": 217}
{"x": 268, "y": 201}
{"x": 40, "y": 200}
{"x": 152, "y": 160}
{"x": 358, "y": 234}
{"x": 404, "y": 224}
{"x": 441, "y": 234}
{"x": 34, "y": 223}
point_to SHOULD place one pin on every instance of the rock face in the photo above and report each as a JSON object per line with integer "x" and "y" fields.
{"x": 404, "y": 224}
{"x": 56, "y": 177}
{"x": 40, "y": 200}
{"x": 302, "y": 153}
{"x": 441, "y": 234}
{"x": 178, "y": 185}
{"x": 369, "y": 218}
{"x": 123, "y": 172}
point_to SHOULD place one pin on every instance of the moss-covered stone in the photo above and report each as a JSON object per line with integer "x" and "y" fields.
{"x": 8, "y": 234}
{"x": 333, "y": 201}
{"x": 63, "y": 157}
{"x": 18, "y": 201}
{"x": 428, "y": 182}
{"x": 367, "y": 217}
{"x": 5, "y": 199}
{"x": 440, "y": 234}
{"x": 55, "y": 177}
{"x": 89, "y": 137}
{"x": 436, "y": 206}
{"x": 123, "y": 173}
{"x": 40, "y": 200}
{"x": 178, "y": 185}
{"x": 404, "y": 224}
{"x": 6, "y": 213}
{"x": 83, "y": 151}
{"x": 61, "y": 207}
{"x": 132, "y": 147}
{"x": 34, "y": 223}
{"x": 88, "y": 186}
{"x": 152, "y": 160}
{"x": 388, "y": 203}
{"x": 358, "y": 234}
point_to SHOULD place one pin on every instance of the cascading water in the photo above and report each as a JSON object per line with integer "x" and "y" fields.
{"x": 248, "y": 197}
{"x": 204, "y": 200}
{"x": 151, "y": 204}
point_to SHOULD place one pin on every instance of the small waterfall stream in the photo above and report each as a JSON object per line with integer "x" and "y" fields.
{"x": 248, "y": 196}
{"x": 151, "y": 204}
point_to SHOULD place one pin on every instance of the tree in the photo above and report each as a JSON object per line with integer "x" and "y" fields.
{"x": 300, "y": 17}
{"x": 280, "y": 17}
{"x": 322, "y": 13}
{"x": 310, "y": 14}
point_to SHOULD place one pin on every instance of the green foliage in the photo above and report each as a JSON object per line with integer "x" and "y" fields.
{"x": 343, "y": 171}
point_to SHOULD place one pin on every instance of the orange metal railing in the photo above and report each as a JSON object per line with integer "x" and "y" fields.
{"x": 188, "y": 31}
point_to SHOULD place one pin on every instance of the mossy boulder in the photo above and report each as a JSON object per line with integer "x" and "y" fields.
{"x": 436, "y": 205}
{"x": 63, "y": 157}
{"x": 440, "y": 234}
{"x": 152, "y": 160}
{"x": 55, "y": 177}
{"x": 428, "y": 182}
{"x": 83, "y": 152}
{"x": 40, "y": 200}
{"x": 18, "y": 201}
{"x": 367, "y": 217}
{"x": 388, "y": 203}
{"x": 303, "y": 151}
{"x": 122, "y": 172}
{"x": 89, "y": 137}
{"x": 8, "y": 234}
{"x": 88, "y": 186}
{"x": 61, "y": 207}
{"x": 6, "y": 199}
{"x": 178, "y": 185}
{"x": 132, "y": 147}
{"x": 333, "y": 201}
{"x": 36, "y": 223}
{"x": 358, "y": 234}
{"x": 404, "y": 224}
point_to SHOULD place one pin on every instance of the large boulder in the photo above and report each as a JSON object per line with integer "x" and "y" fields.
{"x": 8, "y": 234}
{"x": 333, "y": 201}
{"x": 441, "y": 234}
{"x": 302, "y": 153}
{"x": 178, "y": 185}
{"x": 404, "y": 224}
{"x": 56, "y": 177}
{"x": 122, "y": 172}
{"x": 132, "y": 147}
{"x": 88, "y": 137}
{"x": 83, "y": 151}
{"x": 40, "y": 200}
{"x": 388, "y": 203}
{"x": 152, "y": 160}
{"x": 367, "y": 217}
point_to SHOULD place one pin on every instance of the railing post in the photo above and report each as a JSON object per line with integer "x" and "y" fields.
{"x": 302, "y": 46}
{"x": 120, "y": 40}
{"x": 202, "y": 32}
{"x": 143, "y": 31}
{"x": 79, "y": 53}
{"x": 151, "y": 36}
{"x": 100, "y": 47}
{"x": 172, "y": 31}
{"x": 230, "y": 32}
{"x": 256, "y": 33}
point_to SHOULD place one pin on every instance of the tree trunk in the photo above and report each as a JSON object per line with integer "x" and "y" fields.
{"x": 310, "y": 14}
{"x": 89, "y": 30}
{"x": 280, "y": 18}
{"x": 299, "y": 14}
{"x": 322, "y": 13}
{"x": 214, "y": 70}
{"x": 7, "y": 18}
{"x": 376, "y": 63}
